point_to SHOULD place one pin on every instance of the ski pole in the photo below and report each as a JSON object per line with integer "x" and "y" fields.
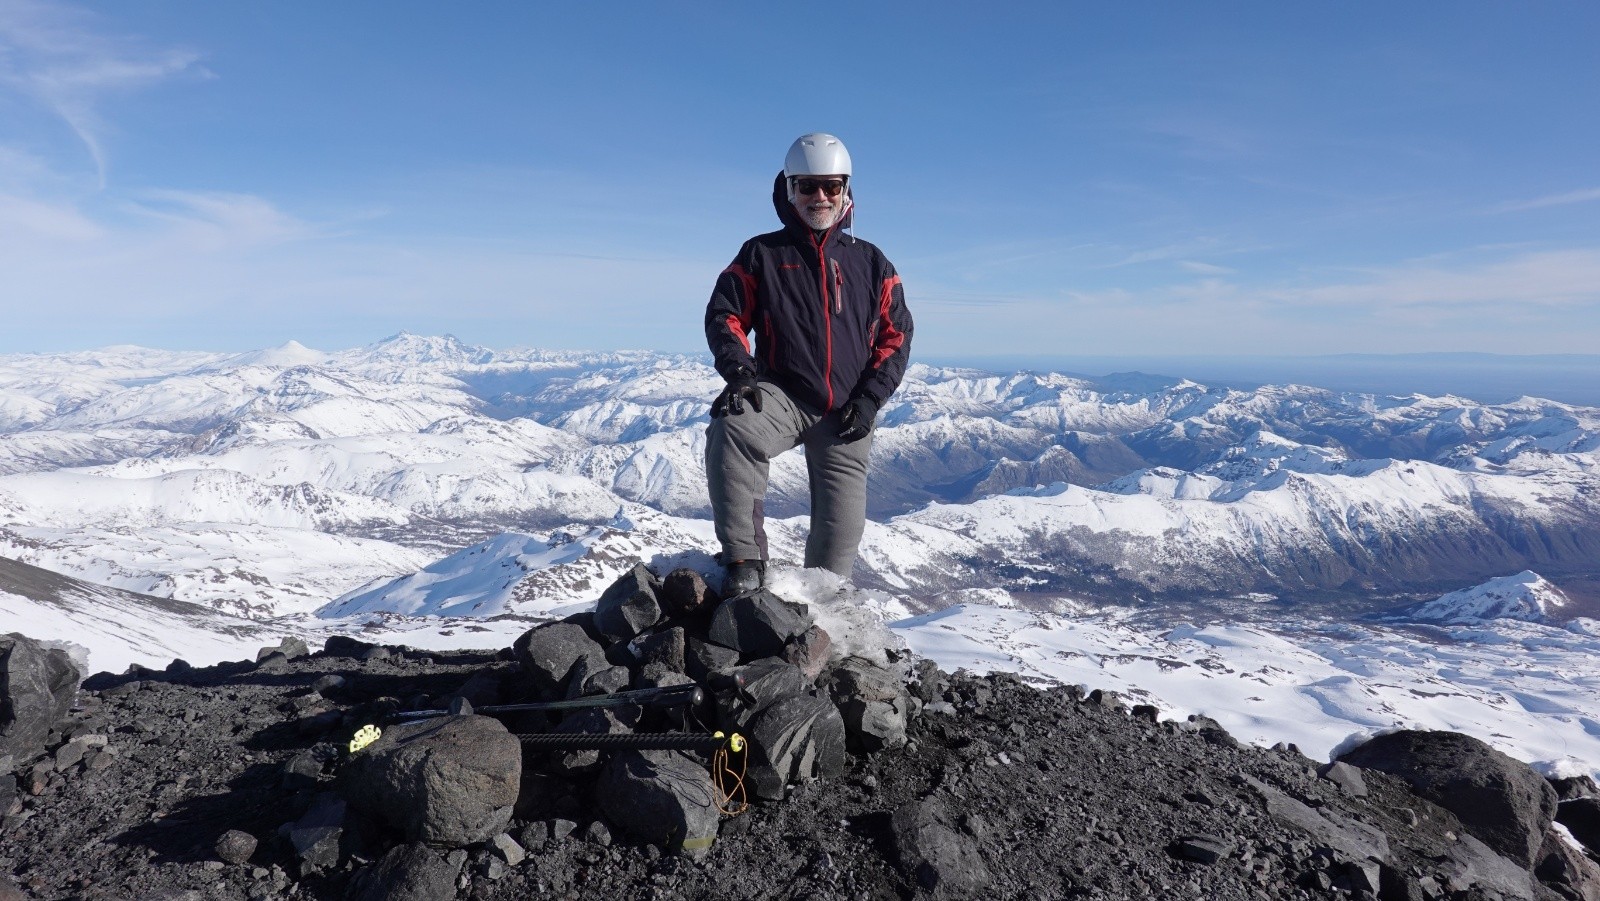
{"x": 665, "y": 696}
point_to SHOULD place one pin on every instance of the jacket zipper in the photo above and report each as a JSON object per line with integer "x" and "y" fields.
{"x": 827, "y": 319}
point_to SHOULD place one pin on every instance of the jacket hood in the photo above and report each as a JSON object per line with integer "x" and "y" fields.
{"x": 791, "y": 219}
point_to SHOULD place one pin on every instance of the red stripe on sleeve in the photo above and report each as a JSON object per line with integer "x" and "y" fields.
{"x": 889, "y": 337}
{"x": 741, "y": 324}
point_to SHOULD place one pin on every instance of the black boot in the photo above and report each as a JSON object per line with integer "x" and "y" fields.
{"x": 743, "y": 577}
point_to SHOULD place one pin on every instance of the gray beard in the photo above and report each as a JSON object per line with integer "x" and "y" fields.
{"x": 820, "y": 220}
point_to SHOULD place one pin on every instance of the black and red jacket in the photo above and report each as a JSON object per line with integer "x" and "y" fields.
{"x": 828, "y": 312}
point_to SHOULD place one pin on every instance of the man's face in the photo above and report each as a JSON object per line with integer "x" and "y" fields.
{"x": 819, "y": 199}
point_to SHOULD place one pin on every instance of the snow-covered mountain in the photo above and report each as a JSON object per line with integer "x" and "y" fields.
{"x": 436, "y": 489}
{"x": 1525, "y": 596}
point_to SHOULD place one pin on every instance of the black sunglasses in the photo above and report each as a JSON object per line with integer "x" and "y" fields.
{"x": 805, "y": 186}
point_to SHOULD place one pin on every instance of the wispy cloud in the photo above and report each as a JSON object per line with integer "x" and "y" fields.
{"x": 59, "y": 56}
{"x": 1586, "y": 195}
{"x": 1200, "y": 268}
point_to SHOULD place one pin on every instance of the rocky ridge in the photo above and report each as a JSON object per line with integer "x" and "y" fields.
{"x": 880, "y": 779}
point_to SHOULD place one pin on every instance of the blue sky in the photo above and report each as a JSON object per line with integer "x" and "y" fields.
{"x": 1051, "y": 179}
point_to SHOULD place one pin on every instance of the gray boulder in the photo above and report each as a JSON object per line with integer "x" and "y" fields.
{"x": 549, "y": 652}
{"x": 408, "y": 873}
{"x": 661, "y": 798}
{"x": 1500, "y": 800}
{"x": 685, "y": 592}
{"x": 797, "y": 738}
{"x": 942, "y": 861}
{"x": 37, "y": 685}
{"x": 630, "y": 606}
{"x": 758, "y": 624}
{"x": 873, "y": 702}
{"x": 450, "y": 781}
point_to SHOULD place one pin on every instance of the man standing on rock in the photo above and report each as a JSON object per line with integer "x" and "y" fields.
{"x": 832, "y": 336}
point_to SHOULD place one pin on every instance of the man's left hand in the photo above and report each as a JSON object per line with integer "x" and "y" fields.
{"x": 856, "y": 417}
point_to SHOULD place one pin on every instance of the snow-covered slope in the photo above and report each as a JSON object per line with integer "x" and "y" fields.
{"x": 1530, "y": 690}
{"x": 119, "y": 628}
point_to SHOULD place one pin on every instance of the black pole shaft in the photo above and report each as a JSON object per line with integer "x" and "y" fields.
{"x": 641, "y": 741}
{"x": 669, "y": 696}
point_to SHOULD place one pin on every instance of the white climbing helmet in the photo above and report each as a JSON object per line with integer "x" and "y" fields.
{"x": 817, "y": 154}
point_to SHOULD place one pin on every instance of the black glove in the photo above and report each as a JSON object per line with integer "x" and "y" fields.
{"x": 742, "y": 387}
{"x": 857, "y": 416}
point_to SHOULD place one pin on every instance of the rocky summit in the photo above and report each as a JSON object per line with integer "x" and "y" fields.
{"x": 862, "y": 778}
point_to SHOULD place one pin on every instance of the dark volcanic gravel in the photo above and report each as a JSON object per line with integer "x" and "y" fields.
{"x": 1064, "y": 797}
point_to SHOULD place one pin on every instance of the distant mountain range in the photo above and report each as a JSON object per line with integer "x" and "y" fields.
{"x": 1300, "y": 563}
{"x": 274, "y": 481}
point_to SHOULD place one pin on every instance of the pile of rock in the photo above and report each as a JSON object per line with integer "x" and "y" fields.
{"x": 453, "y": 782}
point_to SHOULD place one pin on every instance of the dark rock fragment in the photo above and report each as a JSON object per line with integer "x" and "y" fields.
{"x": 938, "y": 858}
{"x": 607, "y": 680}
{"x": 873, "y": 703}
{"x": 684, "y": 591}
{"x": 799, "y": 737}
{"x": 235, "y": 846}
{"x": 482, "y": 688}
{"x": 1345, "y": 776}
{"x": 596, "y": 833}
{"x": 630, "y": 606}
{"x": 1355, "y": 840}
{"x": 758, "y": 624}
{"x": 548, "y": 653}
{"x": 506, "y": 848}
{"x": 411, "y": 872}
{"x": 661, "y": 798}
{"x": 744, "y": 691}
{"x": 345, "y": 646}
{"x": 1471, "y": 864}
{"x": 594, "y": 721}
{"x": 328, "y": 683}
{"x": 1105, "y": 699}
{"x": 1500, "y": 800}
{"x": 318, "y": 835}
{"x": 290, "y": 648}
{"x": 668, "y": 647}
{"x": 701, "y": 658}
{"x": 37, "y": 685}
{"x": 1581, "y": 816}
{"x": 1206, "y": 849}
{"x": 811, "y": 652}
{"x": 1573, "y": 787}
{"x": 449, "y": 781}
{"x": 1566, "y": 870}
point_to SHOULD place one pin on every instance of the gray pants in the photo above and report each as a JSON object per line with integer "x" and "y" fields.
{"x": 739, "y": 449}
